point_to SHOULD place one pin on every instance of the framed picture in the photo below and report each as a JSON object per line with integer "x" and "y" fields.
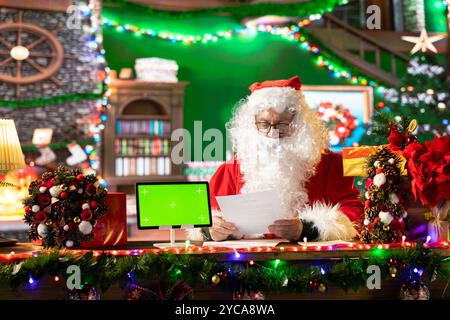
{"x": 344, "y": 111}
{"x": 42, "y": 136}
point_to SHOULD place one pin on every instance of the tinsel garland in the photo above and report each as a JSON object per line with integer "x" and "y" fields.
{"x": 35, "y": 103}
{"x": 163, "y": 271}
{"x": 301, "y": 9}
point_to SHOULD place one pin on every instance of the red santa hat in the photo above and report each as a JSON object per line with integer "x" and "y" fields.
{"x": 277, "y": 94}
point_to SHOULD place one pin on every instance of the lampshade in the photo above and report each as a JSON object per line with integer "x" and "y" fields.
{"x": 11, "y": 156}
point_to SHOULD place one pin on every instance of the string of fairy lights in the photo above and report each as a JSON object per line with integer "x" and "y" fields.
{"x": 244, "y": 255}
{"x": 291, "y": 33}
{"x": 90, "y": 10}
{"x": 239, "y": 254}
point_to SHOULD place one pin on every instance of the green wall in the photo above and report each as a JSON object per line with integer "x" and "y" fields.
{"x": 435, "y": 16}
{"x": 218, "y": 73}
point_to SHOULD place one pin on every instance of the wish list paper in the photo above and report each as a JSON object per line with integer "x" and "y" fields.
{"x": 253, "y": 212}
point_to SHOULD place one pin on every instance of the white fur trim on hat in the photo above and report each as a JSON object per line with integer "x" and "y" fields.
{"x": 279, "y": 98}
{"x": 331, "y": 223}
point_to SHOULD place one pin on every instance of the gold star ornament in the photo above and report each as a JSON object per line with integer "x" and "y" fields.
{"x": 423, "y": 42}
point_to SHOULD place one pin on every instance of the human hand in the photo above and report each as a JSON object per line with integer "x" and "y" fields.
{"x": 222, "y": 229}
{"x": 289, "y": 228}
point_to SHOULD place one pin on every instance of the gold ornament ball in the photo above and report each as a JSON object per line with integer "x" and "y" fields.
{"x": 386, "y": 228}
{"x": 322, "y": 288}
{"x": 48, "y": 222}
{"x": 393, "y": 271}
{"x": 63, "y": 187}
{"x": 215, "y": 279}
{"x": 77, "y": 219}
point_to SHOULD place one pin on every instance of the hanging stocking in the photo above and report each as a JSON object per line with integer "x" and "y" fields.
{"x": 78, "y": 154}
{"x": 47, "y": 156}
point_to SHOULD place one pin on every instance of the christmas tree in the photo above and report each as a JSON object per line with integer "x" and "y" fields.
{"x": 423, "y": 95}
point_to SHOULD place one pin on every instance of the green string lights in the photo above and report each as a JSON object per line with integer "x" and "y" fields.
{"x": 295, "y": 33}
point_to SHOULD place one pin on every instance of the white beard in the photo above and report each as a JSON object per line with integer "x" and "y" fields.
{"x": 285, "y": 164}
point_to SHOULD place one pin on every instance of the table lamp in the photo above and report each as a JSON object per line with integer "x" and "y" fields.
{"x": 11, "y": 157}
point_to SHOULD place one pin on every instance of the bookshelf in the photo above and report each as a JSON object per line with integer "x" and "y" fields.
{"x": 137, "y": 142}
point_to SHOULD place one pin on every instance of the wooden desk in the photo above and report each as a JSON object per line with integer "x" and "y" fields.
{"x": 48, "y": 289}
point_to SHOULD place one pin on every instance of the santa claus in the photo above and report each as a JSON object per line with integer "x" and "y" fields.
{"x": 280, "y": 145}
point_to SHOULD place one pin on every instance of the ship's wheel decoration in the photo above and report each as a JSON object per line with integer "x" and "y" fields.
{"x": 29, "y": 53}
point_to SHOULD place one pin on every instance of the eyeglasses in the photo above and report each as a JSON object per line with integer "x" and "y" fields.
{"x": 265, "y": 127}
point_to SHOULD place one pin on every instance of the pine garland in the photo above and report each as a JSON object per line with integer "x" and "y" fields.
{"x": 58, "y": 145}
{"x": 162, "y": 272}
{"x": 36, "y": 103}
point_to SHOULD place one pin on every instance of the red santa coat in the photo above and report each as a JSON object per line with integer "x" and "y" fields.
{"x": 328, "y": 186}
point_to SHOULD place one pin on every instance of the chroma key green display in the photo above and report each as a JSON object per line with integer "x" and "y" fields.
{"x": 173, "y": 204}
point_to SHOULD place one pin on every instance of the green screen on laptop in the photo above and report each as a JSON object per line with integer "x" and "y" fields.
{"x": 173, "y": 204}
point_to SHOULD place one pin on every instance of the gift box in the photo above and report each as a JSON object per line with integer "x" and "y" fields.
{"x": 111, "y": 229}
{"x": 354, "y": 160}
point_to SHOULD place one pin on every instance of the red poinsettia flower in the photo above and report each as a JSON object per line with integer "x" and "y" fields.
{"x": 429, "y": 169}
{"x": 40, "y": 217}
{"x": 91, "y": 189}
{"x": 86, "y": 215}
{"x": 44, "y": 200}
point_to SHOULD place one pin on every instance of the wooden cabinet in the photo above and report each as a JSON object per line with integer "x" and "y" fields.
{"x": 137, "y": 142}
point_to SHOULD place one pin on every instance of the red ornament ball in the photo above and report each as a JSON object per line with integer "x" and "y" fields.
{"x": 314, "y": 284}
{"x": 94, "y": 205}
{"x": 27, "y": 209}
{"x": 380, "y": 105}
{"x": 63, "y": 195}
{"x": 378, "y": 171}
{"x": 392, "y": 262}
{"x": 80, "y": 177}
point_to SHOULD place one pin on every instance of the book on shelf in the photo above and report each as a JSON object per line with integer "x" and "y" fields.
{"x": 142, "y": 147}
{"x": 150, "y": 127}
{"x": 142, "y": 166}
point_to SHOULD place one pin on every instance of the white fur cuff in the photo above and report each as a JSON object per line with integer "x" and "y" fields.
{"x": 331, "y": 223}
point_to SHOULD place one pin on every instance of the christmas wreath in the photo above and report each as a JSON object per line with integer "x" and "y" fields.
{"x": 63, "y": 206}
{"x": 339, "y": 121}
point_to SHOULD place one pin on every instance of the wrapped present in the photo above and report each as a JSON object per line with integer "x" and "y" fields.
{"x": 354, "y": 160}
{"x": 111, "y": 229}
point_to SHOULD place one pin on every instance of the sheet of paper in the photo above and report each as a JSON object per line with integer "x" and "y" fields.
{"x": 245, "y": 243}
{"x": 253, "y": 212}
